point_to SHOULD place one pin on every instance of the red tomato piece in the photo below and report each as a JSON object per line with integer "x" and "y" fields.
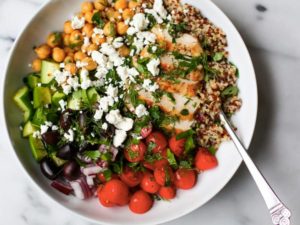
{"x": 102, "y": 178}
{"x": 164, "y": 176}
{"x": 131, "y": 178}
{"x": 177, "y": 146}
{"x": 185, "y": 178}
{"x": 161, "y": 163}
{"x": 167, "y": 192}
{"x": 115, "y": 192}
{"x": 148, "y": 165}
{"x": 140, "y": 202}
{"x": 158, "y": 140}
{"x": 135, "y": 152}
{"x": 149, "y": 184}
{"x": 204, "y": 160}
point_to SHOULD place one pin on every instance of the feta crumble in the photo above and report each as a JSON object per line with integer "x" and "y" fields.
{"x": 69, "y": 135}
{"x": 141, "y": 111}
{"x": 150, "y": 86}
{"x": 77, "y": 23}
{"x": 152, "y": 66}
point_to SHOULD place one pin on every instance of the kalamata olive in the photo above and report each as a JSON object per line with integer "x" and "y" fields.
{"x": 65, "y": 120}
{"x": 49, "y": 169}
{"x": 51, "y": 137}
{"x": 71, "y": 170}
{"x": 66, "y": 152}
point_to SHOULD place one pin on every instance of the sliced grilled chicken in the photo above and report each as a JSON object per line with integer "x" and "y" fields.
{"x": 183, "y": 86}
{"x": 180, "y": 126}
{"x": 186, "y": 44}
{"x": 182, "y": 106}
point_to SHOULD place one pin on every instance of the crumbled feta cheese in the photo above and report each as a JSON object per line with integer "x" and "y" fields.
{"x": 36, "y": 134}
{"x": 86, "y": 41}
{"x": 77, "y": 23}
{"x": 104, "y": 126}
{"x": 98, "y": 115}
{"x": 39, "y": 84}
{"x": 54, "y": 127}
{"x": 69, "y": 135}
{"x": 119, "y": 138}
{"x": 48, "y": 123}
{"x": 149, "y": 86}
{"x": 139, "y": 21}
{"x": 126, "y": 73}
{"x": 154, "y": 48}
{"x": 159, "y": 8}
{"x": 97, "y": 31}
{"x": 115, "y": 118}
{"x": 152, "y": 66}
{"x": 85, "y": 80}
{"x": 112, "y": 91}
{"x": 92, "y": 134}
{"x": 99, "y": 58}
{"x": 44, "y": 129}
{"x": 61, "y": 77}
{"x": 105, "y": 102}
{"x": 141, "y": 111}
{"x": 118, "y": 42}
{"x": 62, "y": 65}
{"x": 125, "y": 124}
{"x": 80, "y": 64}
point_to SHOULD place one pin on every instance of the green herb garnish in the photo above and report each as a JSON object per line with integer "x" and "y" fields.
{"x": 97, "y": 19}
{"x": 230, "y": 91}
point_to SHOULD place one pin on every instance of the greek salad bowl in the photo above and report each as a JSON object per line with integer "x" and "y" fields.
{"x": 163, "y": 72}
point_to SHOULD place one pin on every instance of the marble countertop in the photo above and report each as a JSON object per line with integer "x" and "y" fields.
{"x": 270, "y": 29}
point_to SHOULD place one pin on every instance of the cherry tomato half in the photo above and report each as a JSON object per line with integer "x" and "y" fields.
{"x": 135, "y": 152}
{"x": 185, "y": 178}
{"x": 114, "y": 192}
{"x": 131, "y": 178}
{"x": 164, "y": 176}
{"x": 149, "y": 184}
{"x": 167, "y": 192}
{"x": 140, "y": 202}
{"x": 158, "y": 140}
{"x": 204, "y": 160}
{"x": 177, "y": 146}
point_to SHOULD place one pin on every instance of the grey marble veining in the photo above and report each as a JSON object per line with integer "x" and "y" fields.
{"x": 269, "y": 29}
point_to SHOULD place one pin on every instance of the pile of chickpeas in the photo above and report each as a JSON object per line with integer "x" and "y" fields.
{"x": 67, "y": 47}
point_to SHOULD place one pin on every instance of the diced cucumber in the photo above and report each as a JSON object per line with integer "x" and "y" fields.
{"x": 39, "y": 117}
{"x": 22, "y": 99}
{"x": 37, "y": 148}
{"x": 28, "y": 114}
{"x": 47, "y": 71}
{"x": 93, "y": 95}
{"x": 57, "y": 96}
{"x": 58, "y": 162}
{"x": 41, "y": 96}
{"x": 32, "y": 80}
{"x": 78, "y": 100}
{"x": 29, "y": 129}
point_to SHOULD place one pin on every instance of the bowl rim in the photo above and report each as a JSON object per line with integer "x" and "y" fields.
{"x": 38, "y": 187}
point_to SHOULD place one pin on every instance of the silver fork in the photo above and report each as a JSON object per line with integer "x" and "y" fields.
{"x": 280, "y": 215}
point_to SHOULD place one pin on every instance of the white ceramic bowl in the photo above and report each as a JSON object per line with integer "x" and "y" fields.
{"x": 51, "y": 18}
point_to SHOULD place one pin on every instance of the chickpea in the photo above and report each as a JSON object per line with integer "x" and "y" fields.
{"x": 92, "y": 47}
{"x": 71, "y": 54}
{"x": 109, "y": 29}
{"x": 76, "y": 38}
{"x": 58, "y": 54}
{"x": 133, "y": 4}
{"x": 68, "y": 27}
{"x": 120, "y": 4}
{"x": 66, "y": 39}
{"x": 89, "y": 16}
{"x": 68, "y": 59}
{"x": 87, "y": 7}
{"x": 110, "y": 13}
{"x": 98, "y": 39}
{"x": 124, "y": 51}
{"x": 43, "y": 51}
{"x": 54, "y": 39}
{"x": 68, "y": 50}
{"x": 122, "y": 28}
{"x": 100, "y": 4}
{"x": 79, "y": 56}
{"x": 88, "y": 29}
{"x": 91, "y": 65}
{"x": 71, "y": 67}
{"x": 127, "y": 14}
{"x": 36, "y": 65}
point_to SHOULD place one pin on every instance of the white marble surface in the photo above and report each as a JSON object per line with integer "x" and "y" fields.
{"x": 272, "y": 37}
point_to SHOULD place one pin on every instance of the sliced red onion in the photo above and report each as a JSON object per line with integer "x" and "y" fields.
{"x": 62, "y": 187}
{"x": 103, "y": 164}
{"x": 146, "y": 130}
{"x": 90, "y": 180}
{"x": 103, "y": 148}
{"x": 114, "y": 151}
{"x": 92, "y": 170}
{"x": 78, "y": 192}
{"x": 81, "y": 188}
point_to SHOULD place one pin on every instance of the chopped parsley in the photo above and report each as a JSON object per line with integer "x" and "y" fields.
{"x": 184, "y": 112}
{"x": 97, "y": 19}
{"x": 230, "y": 91}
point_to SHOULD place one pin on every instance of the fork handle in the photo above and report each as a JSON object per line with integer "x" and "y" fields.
{"x": 279, "y": 213}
